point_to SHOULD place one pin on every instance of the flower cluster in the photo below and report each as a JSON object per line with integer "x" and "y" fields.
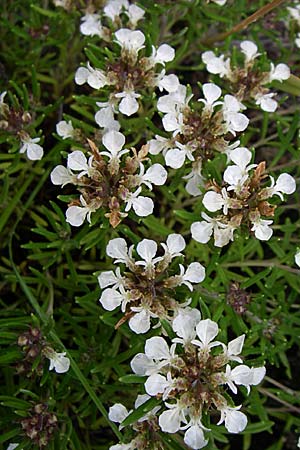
{"x": 40, "y": 425}
{"x": 197, "y": 134}
{"x": 294, "y": 20}
{"x": 243, "y": 200}
{"x": 106, "y": 180}
{"x": 146, "y": 427}
{"x": 16, "y": 121}
{"x": 128, "y": 76}
{"x": 36, "y": 348}
{"x": 147, "y": 290}
{"x": 248, "y": 82}
{"x": 116, "y": 13}
{"x": 191, "y": 378}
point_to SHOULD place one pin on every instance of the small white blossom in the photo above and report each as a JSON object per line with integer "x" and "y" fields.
{"x": 280, "y": 72}
{"x": 211, "y": 93}
{"x": 33, "y": 151}
{"x": 250, "y": 51}
{"x": 91, "y": 25}
{"x": 142, "y": 206}
{"x": 134, "y": 13}
{"x": 58, "y": 361}
{"x": 130, "y": 41}
{"x": 114, "y": 142}
{"x": 65, "y": 129}
{"x": 261, "y": 229}
{"x": 60, "y": 175}
{"x": 266, "y": 102}
{"x": 195, "y": 273}
{"x": 217, "y": 64}
{"x": 95, "y": 78}
{"x": 129, "y": 104}
{"x": 235, "y": 421}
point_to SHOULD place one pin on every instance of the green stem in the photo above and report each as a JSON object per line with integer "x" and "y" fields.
{"x": 272, "y": 263}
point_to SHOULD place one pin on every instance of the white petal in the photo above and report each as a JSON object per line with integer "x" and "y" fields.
{"x": 185, "y": 322}
{"x": 147, "y": 249}
{"x": 60, "y": 175}
{"x": 175, "y": 158}
{"x": 64, "y": 129}
{"x": 140, "y": 322}
{"x": 117, "y": 413}
{"x": 213, "y": 201}
{"x": 286, "y": 184}
{"x": 207, "y": 330}
{"x": 107, "y": 278}
{"x": 235, "y": 346}
{"x": 211, "y": 92}
{"x": 113, "y": 141}
{"x": 175, "y": 243}
{"x": 75, "y": 215}
{"x": 249, "y": 49}
{"x": 34, "y": 152}
{"x": 195, "y": 273}
{"x": 142, "y": 365}
{"x": 169, "y": 421}
{"x": 81, "y": 75}
{"x": 201, "y": 231}
{"x": 169, "y": 82}
{"x": 156, "y": 384}
{"x": 128, "y": 105}
{"x": 111, "y": 299}
{"x": 281, "y": 72}
{"x": 143, "y": 206}
{"x": 117, "y": 248}
{"x": 165, "y": 53}
{"x": 194, "y": 438}
{"x": 157, "y": 348}
{"x": 235, "y": 421}
{"x": 241, "y": 156}
{"x": 156, "y": 174}
{"x": 77, "y": 161}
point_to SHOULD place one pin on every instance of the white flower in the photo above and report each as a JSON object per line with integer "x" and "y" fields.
{"x": 234, "y": 348}
{"x": 156, "y": 384}
{"x": 114, "y": 141}
{"x": 175, "y": 157}
{"x": 164, "y": 53}
{"x": 117, "y": 249}
{"x": 12, "y": 446}
{"x": 128, "y": 105}
{"x": 184, "y": 325}
{"x": 33, "y": 150}
{"x": 174, "y": 102}
{"x": 195, "y": 179}
{"x": 142, "y": 365}
{"x": 58, "y": 361}
{"x": 91, "y": 25}
{"x": 105, "y": 116}
{"x": 65, "y": 129}
{"x": 195, "y": 273}
{"x": 147, "y": 250}
{"x": 285, "y": 184}
{"x": 173, "y": 122}
{"x": 156, "y": 174}
{"x": 202, "y": 231}
{"x": 194, "y": 436}
{"x": 140, "y": 323}
{"x": 78, "y": 161}
{"x": 214, "y": 201}
{"x": 111, "y": 298}
{"x": 95, "y": 78}
{"x": 134, "y": 13}
{"x": 243, "y": 375}
{"x": 250, "y": 51}
{"x": 142, "y": 206}
{"x": 280, "y": 72}
{"x": 211, "y": 93}
{"x": 216, "y": 64}
{"x": 266, "y": 102}
{"x": 60, "y": 175}
{"x": 261, "y": 229}
{"x": 118, "y": 413}
{"x": 236, "y": 175}
{"x": 235, "y": 121}
{"x": 75, "y": 215}
{"x": 297, "y": 258}
{"x": 170, "y": 420}
{"x": 168, "y": 82}
{"x": 113, "y": 8}
{"x": 130, "y": 41}
{"x": 110, "y": 278}
{"x": 174, "y": 245}
{"x": 159, "y": 144}
{"x": 235, "y": 421}
{"x": 206, "y": 330}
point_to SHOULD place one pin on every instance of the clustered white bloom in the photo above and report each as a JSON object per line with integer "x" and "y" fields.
{"x": 243, "y": 201}
{"x": 106, "y": 180}
{"x": 248, "y": 82}
{"x": 191, "y": 377}
{"x": 196, "y": 135}
{"x": 148, "y": 291}
{"x": 129, "y": 76}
